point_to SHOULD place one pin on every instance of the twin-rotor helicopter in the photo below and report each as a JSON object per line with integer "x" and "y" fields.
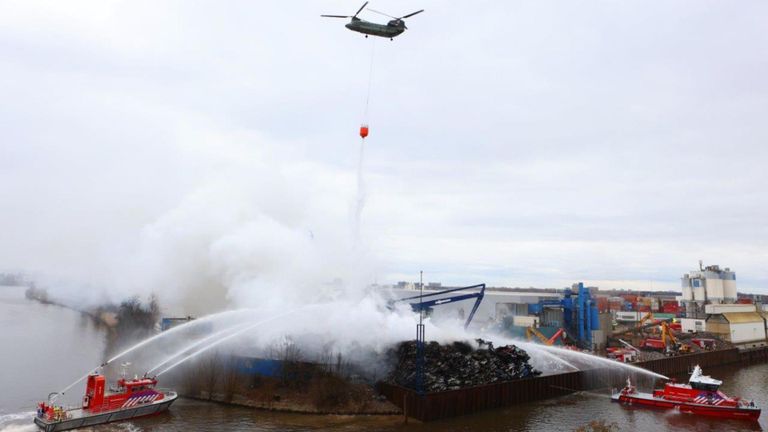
{"x": 390, "y": 30}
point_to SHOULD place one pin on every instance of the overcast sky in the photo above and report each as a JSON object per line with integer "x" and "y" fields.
{"x": 517, "y": 143}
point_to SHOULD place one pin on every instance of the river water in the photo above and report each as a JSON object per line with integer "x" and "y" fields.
{"x": 46, "y": 347}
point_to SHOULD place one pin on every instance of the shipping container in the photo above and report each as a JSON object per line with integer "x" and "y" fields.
{"x": 602, "y": 304}
{"x": 692, "y": 325}
{"x": 672, "y": 308}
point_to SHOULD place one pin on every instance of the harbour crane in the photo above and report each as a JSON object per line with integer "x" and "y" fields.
{"x": 435, "y": 299}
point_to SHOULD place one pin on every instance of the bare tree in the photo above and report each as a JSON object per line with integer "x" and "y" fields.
{"x": 230, "y": 378}
{"x": 290, "y": 357}
{"x": 209, "y": 373}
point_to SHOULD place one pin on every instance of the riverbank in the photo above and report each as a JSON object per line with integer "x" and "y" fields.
{"x": 105, "y": 315}
{"x": 299, "y": 405}
{"x": 293, "y": 386}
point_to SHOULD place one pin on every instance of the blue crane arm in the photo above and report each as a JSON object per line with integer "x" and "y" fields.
{"x": 423, "y": 305}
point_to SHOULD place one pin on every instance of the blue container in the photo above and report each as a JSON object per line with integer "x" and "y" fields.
{"x": 258, "y": 366}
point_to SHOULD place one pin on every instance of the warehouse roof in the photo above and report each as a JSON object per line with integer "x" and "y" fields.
{"x": 743, "y": 317}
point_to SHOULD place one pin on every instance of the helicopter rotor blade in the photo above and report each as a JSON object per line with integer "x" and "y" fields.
{"x": 411, "y": 14}
{"x": 381, "y": 13}
{"x": 361, "y": 9}
{"x": 336, "y": 16}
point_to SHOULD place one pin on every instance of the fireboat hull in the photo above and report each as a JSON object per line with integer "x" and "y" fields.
{"x": 85, "y": 419}
{"x": 648, "y": 400}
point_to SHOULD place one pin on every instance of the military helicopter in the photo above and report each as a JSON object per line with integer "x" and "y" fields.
{"x": 389, "y": 30}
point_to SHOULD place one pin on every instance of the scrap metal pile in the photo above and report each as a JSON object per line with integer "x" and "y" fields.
{"x": 458, "y": 365}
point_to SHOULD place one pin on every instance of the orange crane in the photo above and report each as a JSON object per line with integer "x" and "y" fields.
{"x": 641, "y": 325}
{"x": 668, "y": 342}
{"x": 668, "y": 334}
{"x": 530, "y": 332}
{"x": 646, "y": 317}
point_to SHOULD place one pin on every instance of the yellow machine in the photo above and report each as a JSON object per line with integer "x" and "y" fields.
{"x": 530, "y": 332}
{"x": 648, "y": 316}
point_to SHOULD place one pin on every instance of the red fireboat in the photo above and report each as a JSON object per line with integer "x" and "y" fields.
{"x": 700, "y": 396}
{"x": 130, "y": 398}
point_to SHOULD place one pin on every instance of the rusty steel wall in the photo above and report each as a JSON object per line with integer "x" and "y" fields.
{"x": 754, "y": 355}
{"x": 684, "y": 363}
{"x": 434, "y": 406}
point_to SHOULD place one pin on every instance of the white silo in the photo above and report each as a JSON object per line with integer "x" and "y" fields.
{"x": 729, "y": 285}
{"x": 687, "y": 290}
{"x": 709, "y": 284}
{"x": 714, "y": 287}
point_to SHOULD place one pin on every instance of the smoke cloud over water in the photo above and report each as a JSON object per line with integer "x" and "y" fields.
{"x": 252, "y": 228}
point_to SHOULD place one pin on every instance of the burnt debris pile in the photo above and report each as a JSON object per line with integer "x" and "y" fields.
{"x": 458, "y": 365}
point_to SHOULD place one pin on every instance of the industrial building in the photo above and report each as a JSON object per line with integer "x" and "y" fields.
{"x": 739, "y": 324}
{"x": 574, "y": 309}
{"x": 708, "y": 285}
{"x": 709, "y": 303}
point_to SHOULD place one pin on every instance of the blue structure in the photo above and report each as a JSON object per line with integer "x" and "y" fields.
{"x": 258, "y": 366}
{"x": 588, "y": 318}
{"x": 538, "y": 308}
{"x": 580, "y": 313}
{"x": 568, "y": 310}
{"x": 535, "y": 308}
{"x": 425, "y": 306}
